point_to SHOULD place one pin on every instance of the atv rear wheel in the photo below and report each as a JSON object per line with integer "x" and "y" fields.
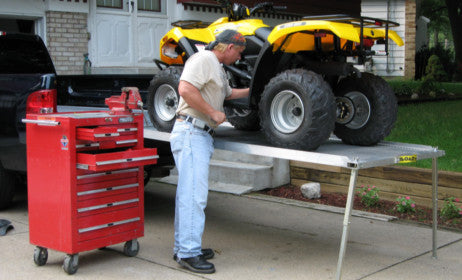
{"x": 297, "y": 110}
{"x": 163, "y": 98}
{"x": 366, "y": 110}
{"x": 243, "y": 119}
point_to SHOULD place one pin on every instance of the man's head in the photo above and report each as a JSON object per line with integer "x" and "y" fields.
{"x": 228, "y": 46}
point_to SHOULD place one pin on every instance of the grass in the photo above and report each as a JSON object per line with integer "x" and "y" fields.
{"x": 438, "y": 124}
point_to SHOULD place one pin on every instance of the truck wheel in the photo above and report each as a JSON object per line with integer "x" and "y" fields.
{"x": 163, "y": 98}
{"x": 366, "y": 110}
{"x": 7, "y": 187}
{"x": 243, "y": 119}
{"x": 297, "y": 110}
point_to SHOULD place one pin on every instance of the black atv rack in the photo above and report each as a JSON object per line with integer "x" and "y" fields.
{"x": 362, "y": 22}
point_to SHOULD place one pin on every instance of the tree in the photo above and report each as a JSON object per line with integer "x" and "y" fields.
{"x": 455, "y": 17}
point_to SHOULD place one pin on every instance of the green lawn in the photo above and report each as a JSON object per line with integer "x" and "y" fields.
{"x": 437, "y": 124}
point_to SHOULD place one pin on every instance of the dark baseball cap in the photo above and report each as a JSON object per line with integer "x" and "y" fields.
{"x": 230, "y": 36}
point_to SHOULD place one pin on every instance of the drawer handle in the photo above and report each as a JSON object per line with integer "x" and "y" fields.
{"x": 106, "y": 173}
{"x": 127, "y": 129}
{"x": 87, "y": 145}
{"x": 106, "y": 134}
{"x": 117, "y": 203}
{"x": 126, "y": 160}
{"x": 126, "y": 141}
{"x": 107, "y": 189}
{"x": 42, "y": 122}
{"x": 82, "y": 230}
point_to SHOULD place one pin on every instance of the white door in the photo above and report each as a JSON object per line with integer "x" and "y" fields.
{"x": 125, "y": 34}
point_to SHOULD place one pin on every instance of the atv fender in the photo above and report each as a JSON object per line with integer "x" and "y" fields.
{"x": 342, "y": 30}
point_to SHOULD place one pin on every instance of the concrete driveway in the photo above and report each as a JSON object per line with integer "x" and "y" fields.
{"x": 252, "y": 239}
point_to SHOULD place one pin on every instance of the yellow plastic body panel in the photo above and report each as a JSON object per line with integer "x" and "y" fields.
{"x": 299, "y": 41}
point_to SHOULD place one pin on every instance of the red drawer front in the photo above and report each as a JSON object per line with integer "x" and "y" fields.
{"x": 105, "y": 224}
{"x": 110, "y": 132}
{"x": 107, "y": 204}
{"x": 122, "y": 141}
{"x": 87, "y": 177}
{"x": 105, "y": 188}
{"x": 116, "y": 160}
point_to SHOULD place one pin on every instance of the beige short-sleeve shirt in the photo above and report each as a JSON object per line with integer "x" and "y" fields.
{"x": 204, "y": 71}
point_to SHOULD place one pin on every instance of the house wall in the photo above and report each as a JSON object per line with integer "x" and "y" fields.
{"x": 67, "y": 40}
{"x": 394, "y": 10}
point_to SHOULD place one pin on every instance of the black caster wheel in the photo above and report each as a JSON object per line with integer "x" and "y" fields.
{"x": 71, "y": 264}
{"x": 40, "y": 256}
{"x": 131, "y": 248}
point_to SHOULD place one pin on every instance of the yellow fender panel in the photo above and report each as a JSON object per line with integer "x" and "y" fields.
{"x": 380, "y": 33}
{"x": 342, "y": 30}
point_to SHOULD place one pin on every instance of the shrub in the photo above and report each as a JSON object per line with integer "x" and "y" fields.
{"x": 369, "y": 195}
{"x": 450, "y": 210}
{"x": 434, "y": 70}
{"x": 446, "y": 57}
{"x": 405, "y": 204}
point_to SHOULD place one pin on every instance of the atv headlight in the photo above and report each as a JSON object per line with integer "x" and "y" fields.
{"x": 169, "y": 50}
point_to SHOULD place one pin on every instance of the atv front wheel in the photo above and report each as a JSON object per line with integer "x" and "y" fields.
{"x": 366, "y": 110}
{"x": 243, "y": 119}
{"x": 297, "y": 110}
{"x": 163, "y": 98}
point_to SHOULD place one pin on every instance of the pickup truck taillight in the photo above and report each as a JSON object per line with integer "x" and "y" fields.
{"x": 42, "y": 102}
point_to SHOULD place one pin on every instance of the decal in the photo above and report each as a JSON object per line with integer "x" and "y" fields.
{"x": 408, "y": 158}
{"x": 64, "y": 143}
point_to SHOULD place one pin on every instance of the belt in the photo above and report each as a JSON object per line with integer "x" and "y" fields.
{"x": 198, "y": 123}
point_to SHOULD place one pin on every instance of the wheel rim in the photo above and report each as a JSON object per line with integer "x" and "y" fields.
{"x": 166, "y": 102}
{"x": 353, "y": 110}
{"x": 287, "y": 111}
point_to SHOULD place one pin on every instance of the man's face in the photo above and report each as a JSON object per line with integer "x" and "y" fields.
{"x": 233, "y": 53}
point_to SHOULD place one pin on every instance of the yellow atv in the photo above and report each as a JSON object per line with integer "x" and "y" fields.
{"x": 301, "y": 86}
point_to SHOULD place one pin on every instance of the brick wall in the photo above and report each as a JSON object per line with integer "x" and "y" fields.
{"x": 67, "y": 41}
{"x": 410, "y": 33}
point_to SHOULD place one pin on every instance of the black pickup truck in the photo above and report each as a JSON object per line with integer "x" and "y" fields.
{"x": 29, "y": 84}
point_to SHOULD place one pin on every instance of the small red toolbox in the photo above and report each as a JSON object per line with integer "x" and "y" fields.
{"x": 85, "y": 179}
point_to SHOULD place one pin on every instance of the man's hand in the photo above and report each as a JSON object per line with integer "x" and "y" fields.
{"x": 218, "y": 117}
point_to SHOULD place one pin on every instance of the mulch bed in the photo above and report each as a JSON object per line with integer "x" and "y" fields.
{"x": 423, "y": 215}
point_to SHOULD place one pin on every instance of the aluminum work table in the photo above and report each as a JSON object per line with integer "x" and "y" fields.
{"x": 332, "y": 153}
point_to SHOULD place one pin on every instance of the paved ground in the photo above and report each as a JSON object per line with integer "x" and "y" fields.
{"x": 253, "y": 239}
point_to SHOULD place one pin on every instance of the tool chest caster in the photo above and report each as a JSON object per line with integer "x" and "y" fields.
{"x": 86, "y": 181}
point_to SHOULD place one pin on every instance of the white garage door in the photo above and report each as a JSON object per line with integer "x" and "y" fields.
{"x": 126, "y": 34}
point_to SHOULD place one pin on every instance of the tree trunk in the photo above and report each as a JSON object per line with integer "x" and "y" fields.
{"x": 455, "y": 18}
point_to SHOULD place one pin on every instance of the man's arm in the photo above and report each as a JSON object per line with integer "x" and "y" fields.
{"x": 238, "y": 93}
{"x": 193, "y": 97}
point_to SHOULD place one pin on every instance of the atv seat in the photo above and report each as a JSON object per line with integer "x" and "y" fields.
{"x": 263, "y": 32}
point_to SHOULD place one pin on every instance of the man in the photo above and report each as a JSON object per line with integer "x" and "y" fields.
{"x": 203, "y": 88}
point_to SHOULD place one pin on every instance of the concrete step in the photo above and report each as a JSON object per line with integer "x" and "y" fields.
{"x": 239, "y": 173}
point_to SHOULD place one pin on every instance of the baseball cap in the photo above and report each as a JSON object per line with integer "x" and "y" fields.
{"x": 228, "y": 36}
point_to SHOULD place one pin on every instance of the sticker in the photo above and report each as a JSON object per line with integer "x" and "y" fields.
{"x": 408, "y": 158}
{"x": 64, "y": 143}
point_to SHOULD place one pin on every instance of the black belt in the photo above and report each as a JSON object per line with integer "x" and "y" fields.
{"x": 195, "y": 121}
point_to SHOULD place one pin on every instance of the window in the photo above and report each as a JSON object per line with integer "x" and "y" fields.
{"x": 109, "y": 3}
{"x": 149, "y": 5}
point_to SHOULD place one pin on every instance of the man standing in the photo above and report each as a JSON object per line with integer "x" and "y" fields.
{"x": 203, "y": 88}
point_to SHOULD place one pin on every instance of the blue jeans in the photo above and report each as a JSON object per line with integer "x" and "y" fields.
{"x": 192, "y": 149}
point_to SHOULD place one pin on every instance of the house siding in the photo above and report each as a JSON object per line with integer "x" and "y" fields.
{"x": 394, "y": 63}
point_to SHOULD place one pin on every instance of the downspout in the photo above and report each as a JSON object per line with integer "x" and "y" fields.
{"x": 388, "y": 55}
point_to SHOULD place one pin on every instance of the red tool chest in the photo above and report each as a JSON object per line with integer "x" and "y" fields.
{"x": 85, "y": 182}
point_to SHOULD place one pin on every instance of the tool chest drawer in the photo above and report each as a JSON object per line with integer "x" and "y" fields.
{"x": 105, "y": 188}
{"x": 115, "y": 160}
{"x": 110, "y": 132}
{"x": 107, "y": 204}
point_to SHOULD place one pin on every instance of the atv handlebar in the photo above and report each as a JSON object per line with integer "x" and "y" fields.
{"x": 261, "y": 7}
